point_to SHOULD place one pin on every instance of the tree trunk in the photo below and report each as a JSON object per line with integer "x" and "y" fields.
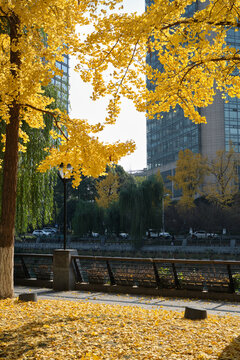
{"x": 10, "y": 164}
{"x": 6, "y": 272}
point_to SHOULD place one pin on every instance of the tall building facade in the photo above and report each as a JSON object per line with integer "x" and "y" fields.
{"x": 62, "y": 83}
{"x": 174, "y": 132}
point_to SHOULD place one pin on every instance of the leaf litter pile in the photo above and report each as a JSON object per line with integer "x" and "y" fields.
{"x": 55, "y": 329}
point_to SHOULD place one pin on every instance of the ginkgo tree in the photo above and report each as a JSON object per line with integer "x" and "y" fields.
{"x": 223, "y": 183}
{"x": 107, "y": 190}
{"x": 191, "y": 170}
{"x": 33, "y": 37}
{"x": 191, "y": 46}
{"x": 195, "y": 58}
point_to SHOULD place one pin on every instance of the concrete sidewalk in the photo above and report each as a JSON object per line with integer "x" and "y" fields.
{"x": 213, "y": 307}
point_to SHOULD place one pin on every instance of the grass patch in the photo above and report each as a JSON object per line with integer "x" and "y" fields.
{"x": 56, "y": 329}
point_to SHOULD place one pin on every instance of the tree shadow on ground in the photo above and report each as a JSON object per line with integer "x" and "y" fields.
{"x": 232, "y": 351}
{"x": 32, "y": 336}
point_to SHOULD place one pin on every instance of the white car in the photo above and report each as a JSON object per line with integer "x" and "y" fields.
{"x": 201, "y": 234}
{"x": 155, "y": 234}
{"x": 41, "y": 233}
{"x": 152, "y": 234}
{"x": 95, "y": 235}
{"x": 50, "y": 230}
{"x": 123, "y": 235}
{"x": 166, "y": 235}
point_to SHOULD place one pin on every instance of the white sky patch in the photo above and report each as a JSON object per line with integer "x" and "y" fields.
{"x": 130, "y": 124}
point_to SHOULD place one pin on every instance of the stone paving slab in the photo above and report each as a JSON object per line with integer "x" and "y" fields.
{"x": 213, "y": 307}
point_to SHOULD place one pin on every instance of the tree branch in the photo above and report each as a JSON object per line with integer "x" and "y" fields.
{"x": 48, "y": 112}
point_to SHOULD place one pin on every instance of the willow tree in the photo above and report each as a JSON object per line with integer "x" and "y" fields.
{"x": 35, "y": 190}
{"x": 28, "y": 64}
{"x": 141, "y": 204}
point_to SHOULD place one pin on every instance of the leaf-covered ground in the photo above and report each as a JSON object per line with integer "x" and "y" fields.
{"x": 55, "y": 329}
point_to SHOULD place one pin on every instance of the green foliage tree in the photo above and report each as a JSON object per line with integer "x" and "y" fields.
{"x": 86, "y": 191}
{"x": 112, "y": 218}
{"x": 140, "y": 206}
{"x": 34, "y": 190}
{"x": 88, "y": 218}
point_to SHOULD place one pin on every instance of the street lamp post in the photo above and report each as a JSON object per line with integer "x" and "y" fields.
{"x": 65, "y": 177}
{"x": 163, "y": 226}
{"x": 163, "y": 220}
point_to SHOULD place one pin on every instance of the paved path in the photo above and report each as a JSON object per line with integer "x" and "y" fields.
{"x": 176, "y": 304}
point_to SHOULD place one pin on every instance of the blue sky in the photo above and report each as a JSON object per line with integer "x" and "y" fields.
{"x": 130, "y": 125}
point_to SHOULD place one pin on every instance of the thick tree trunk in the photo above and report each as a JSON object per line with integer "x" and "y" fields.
{"x": 9, "y": 194}
{"x": 6, "y": 272}
{"x": 9, "y": 188}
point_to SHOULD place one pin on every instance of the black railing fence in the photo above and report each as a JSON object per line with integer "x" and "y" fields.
{"x": 201, "y": 275}
{"x": 28, "y": 265}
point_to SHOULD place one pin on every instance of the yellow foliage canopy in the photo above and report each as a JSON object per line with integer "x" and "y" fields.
{"x": 33, "y": 37}
{"x": 223, "y": 183}
{"x": 107, "y": 190}
{"x": 189, "y": 176}
{"x": 195, "y": 58}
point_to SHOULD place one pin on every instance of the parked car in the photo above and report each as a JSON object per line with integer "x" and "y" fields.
{"x": 123, "y": 235}
{"x": 202, "y": 234}
{"x": 165, "y": 235}
{"x": 152, "y": 233}
{"x": 41, "y": 233}
{"x": 212, "y": 235}
{"x": 95, "y": 235}
{"x": 155, "y": 234}
{"x": 50, "y": 230}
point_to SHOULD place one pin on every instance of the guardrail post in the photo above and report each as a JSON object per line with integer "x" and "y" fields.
{"x": 63, "y": 272}
{"x": 25, "y": 269}
{"x": 157, "y": 278}
{"x": 110, "y": 273}
{"x": 176, "y": 280}
{"x": 77, "y": 270}
{"x": 231, "y": 282}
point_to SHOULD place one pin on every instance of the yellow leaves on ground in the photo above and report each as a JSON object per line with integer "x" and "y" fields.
{"x": 54, "y": 329}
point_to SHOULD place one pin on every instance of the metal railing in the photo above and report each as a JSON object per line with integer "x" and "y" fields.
{"x": 202, "y": 275}
{"x": 29, "y": 265}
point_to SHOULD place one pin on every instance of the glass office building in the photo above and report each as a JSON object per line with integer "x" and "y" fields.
{"x": 174, "y": 132}
{"x": 62, "y": 83}
{"x": 232, "y": 107}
